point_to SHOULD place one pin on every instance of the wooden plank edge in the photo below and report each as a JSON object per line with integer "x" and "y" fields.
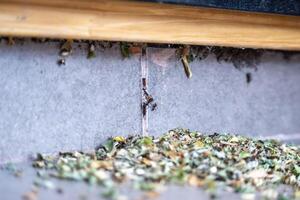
{"x": 147, "y": 22}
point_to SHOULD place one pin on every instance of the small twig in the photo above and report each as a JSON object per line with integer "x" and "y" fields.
{"x": 185, "y": 62}
{"x": 11, "y": 41}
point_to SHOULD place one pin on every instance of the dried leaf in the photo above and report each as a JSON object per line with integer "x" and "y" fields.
{"x": 182, "y": 157}
{"x": 119, "y": 139}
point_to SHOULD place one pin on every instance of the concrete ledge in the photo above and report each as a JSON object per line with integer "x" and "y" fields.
{"x": 49, "y": 108}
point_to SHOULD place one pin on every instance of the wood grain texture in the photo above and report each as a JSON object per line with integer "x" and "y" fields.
{"x": 117, "y": 20}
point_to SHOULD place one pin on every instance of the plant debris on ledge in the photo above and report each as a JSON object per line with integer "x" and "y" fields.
{"x": 230, "y": 162}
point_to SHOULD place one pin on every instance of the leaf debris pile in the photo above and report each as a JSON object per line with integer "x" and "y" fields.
{"x": 181, "y": 157}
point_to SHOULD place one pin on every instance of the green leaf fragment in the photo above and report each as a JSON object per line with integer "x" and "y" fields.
{"x": 147, "y": 141}
{"x": 145, "y": 186}
{"x": 297, "y": 170}
{"x": 124, "y": 47}
{"x": 91, "y": 54}
{"x": 244, "y": 155}
{"x": 109, "y": 145}
{"x": 110, "y": 193}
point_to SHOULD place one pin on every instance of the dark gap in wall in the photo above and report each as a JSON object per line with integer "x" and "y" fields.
{"x": 239, "y": 57}
{"x": 291, "y": 7}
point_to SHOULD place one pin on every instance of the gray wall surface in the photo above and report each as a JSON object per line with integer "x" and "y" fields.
{"x": 49, "y": 108}
{"x": 218, "y": 99}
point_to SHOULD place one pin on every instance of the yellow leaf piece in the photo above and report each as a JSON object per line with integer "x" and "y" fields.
{"x": 195, "y": 181}
{"x": 198, "y": 144}
{"x": 119, "y": 139}
{"x": 234, "y": 139}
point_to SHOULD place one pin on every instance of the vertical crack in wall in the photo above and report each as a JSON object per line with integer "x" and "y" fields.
{"x": 144, "y": 93}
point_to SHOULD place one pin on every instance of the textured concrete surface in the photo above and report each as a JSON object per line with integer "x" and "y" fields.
{"x": 218, "y": 99}
{"x": 49, "y": 108}
{"x": 13, "y": 188}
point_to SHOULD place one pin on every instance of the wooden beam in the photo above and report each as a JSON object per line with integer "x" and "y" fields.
{"x": 117, "y": 20}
